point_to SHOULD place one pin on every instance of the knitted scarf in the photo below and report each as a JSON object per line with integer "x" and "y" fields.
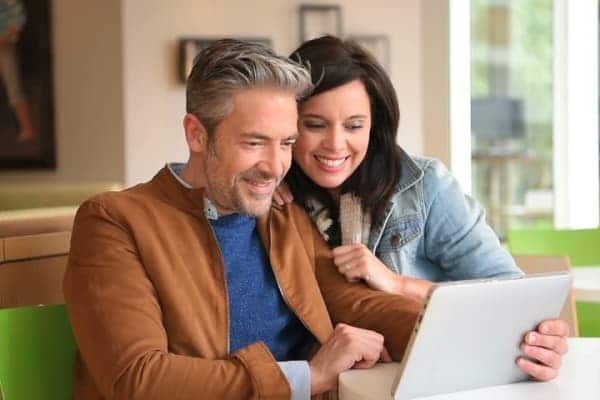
{"x": 355, "y": 224}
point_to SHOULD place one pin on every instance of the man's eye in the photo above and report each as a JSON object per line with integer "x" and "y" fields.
{"x": 253, "y": 144}
{"x": 355, "y": 127}
{"x": 289, "y": 143}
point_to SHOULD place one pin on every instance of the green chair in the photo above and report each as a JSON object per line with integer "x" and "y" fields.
{"x": 583, "y": 248}
{"x": 582, "y": 245}
{"x": 37, "y": 349}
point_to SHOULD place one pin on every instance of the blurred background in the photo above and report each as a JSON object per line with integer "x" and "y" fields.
{"x": 504, "y": 92}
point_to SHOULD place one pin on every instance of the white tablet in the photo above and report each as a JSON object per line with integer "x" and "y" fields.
{"x": 469, "y": 333}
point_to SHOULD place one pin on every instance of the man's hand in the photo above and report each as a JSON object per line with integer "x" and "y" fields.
{"x": 347, "y": 347}
{"x": 544, "y": 349}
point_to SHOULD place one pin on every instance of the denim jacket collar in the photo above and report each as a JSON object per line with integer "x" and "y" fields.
{"x": 410, "y": 175}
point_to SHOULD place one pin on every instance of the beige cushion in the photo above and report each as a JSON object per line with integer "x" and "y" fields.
{"x": 32, "y": 282}
{"x": 29, "y": 222}
{"x": 17, "y": 196}
{"x": 32, "y": 266}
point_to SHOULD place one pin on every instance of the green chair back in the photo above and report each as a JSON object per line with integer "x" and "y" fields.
{"x": 581, "y": 245}
{"x": 37, "y": 349}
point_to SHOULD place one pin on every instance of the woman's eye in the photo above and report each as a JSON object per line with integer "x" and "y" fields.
{"x": 354, "y": 127}
{"x": 313, "y": 125}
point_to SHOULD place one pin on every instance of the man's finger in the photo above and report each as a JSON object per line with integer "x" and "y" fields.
{"x": 369, "y": 354}
{"x": 543, "y": 356}
{"x": 559, "y": 344}
{"x": 364, "y": 364}
{"x": 362, "y": 333}
{"x": 536, "y": 371}
{"x": 554, "y": 327}
{"x": 385, "y": 356}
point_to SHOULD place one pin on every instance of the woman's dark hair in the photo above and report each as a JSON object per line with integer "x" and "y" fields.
{"x": 334, "y": 62}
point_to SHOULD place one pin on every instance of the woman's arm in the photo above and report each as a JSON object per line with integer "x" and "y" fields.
{"x": 456, "y": 236}
{"x": 356, "y": 262}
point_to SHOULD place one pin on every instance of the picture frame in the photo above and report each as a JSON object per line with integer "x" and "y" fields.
{"x": 377, "y": 45}
{"x": 189, "y": 47}
{"x": 27, "y": 137}
{"x": 317, "y": 20}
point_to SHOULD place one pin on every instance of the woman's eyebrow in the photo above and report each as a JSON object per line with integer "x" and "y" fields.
{"x": 310, "y": 115}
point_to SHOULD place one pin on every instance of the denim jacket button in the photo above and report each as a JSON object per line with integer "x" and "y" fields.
{"x": 395, "y": 240}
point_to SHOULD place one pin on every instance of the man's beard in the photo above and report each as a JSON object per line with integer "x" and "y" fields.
{"x": 231, "y": 196}
{"x": 251, "y": 204}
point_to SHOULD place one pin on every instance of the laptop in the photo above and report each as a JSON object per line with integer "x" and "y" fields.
{"x": 469, "y": 333}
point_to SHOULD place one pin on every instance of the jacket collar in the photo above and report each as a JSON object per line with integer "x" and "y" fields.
{"x": 190, "y": 200}
{"x": 410, "y": 172}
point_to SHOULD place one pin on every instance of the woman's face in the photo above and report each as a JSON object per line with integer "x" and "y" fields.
{"x": 334, "y": 131}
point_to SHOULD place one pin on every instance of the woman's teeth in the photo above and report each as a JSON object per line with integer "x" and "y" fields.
{"x": 331, "y": 162}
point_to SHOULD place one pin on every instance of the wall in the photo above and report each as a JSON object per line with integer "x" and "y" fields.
{"x": 435, "y": 80}
{"x": 155, "y": 101}
{"x": 119, "y": 104}
{"x": 88, "y": 100}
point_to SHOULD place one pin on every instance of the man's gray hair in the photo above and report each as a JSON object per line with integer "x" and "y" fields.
{"x": 229, "y": 65}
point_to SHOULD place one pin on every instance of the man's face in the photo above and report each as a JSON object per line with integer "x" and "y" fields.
{"x": 251, "y": 150}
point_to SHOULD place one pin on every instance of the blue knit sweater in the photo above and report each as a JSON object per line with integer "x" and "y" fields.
{"x": 257, "y": 310}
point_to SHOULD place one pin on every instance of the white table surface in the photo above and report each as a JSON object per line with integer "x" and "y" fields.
{"x": 586, "y": 282}
{"x": 579, "y": 379}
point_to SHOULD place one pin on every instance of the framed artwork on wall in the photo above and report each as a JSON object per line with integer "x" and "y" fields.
{"x": 26, "y": 89}
{"x": 189, "y": 47}
{"x": 318, "y": 20}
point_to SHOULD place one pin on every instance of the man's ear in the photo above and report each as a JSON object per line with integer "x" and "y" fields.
{"x": 195, "y": 133}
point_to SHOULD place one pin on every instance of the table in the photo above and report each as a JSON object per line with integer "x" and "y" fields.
{"x": 586, "y": 282}
{"x": 579, "y": 379}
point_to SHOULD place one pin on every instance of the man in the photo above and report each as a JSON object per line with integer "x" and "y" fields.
{"x": 191, "y": 286}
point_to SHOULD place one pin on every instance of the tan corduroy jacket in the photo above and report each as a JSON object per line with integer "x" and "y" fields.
{"x": 147, "y": 298}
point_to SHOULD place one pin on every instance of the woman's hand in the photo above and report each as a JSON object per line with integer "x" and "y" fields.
{"x": 356, "y": 262}
{"x": 282, "y": 194}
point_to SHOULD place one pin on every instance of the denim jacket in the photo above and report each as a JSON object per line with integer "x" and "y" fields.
{"x": 433, "y": 230}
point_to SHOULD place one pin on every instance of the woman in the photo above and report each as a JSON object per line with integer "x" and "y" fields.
{"x": 396, "y": 222}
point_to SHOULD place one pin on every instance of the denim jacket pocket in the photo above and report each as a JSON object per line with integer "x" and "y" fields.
{"x": 400, "y": 232}
{"x": 398, "y": 246}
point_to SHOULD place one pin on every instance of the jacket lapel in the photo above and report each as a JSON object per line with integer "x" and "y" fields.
{"x": 294, "y": 271}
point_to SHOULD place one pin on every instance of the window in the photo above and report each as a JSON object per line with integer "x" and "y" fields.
{"x": 530, "y": 120}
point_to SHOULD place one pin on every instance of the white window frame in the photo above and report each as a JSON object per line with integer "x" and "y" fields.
{"x": 460, "y": 92}
{"x": 575, "y": 142}
{"x": 576, "y": 114}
